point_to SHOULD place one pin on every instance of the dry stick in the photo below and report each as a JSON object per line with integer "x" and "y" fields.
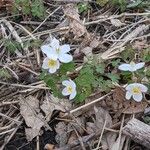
{"x": 7, "y": 131}
{"x": 120, "y": 132}
{"x": 46, "y": 32}
{"x": 80, "y": 139}
{"x": 15, "y": 35}
{"x": 119, "y": 46}
{"x": 37, "y": 143}
{"x": 106, "y": 17}
{"x": 13, "y": 133}
{"x": 30, "y": 34}
{"x": 29, "y": 70}
{"x": 8, "y": 103}
{"x": 138, "y": 131}
{"x": 88, "y": 104}
{"x": 9, "y": 118}
{"x": 46, "y": 18}
{"x": 100, "y": 138}
{"x": 24, "y": 86}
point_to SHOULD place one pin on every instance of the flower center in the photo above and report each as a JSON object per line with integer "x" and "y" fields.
{"x": 57, "y": 50}
{"x": 52, "y": 63}
{"x": 132, "y": 64}
{"x": 69, "y": 89}
{"x": 136, "y": 90}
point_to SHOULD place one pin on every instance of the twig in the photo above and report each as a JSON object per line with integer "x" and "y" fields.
{"x": 6, "y": 141}
{"x": 46, "y": 18}
{"x": 8, "y": 103}
{"x": 88, "y": 104}
{"x": 100, "y": 138}
{"x": 9, "y": 118}
{"x": 24, "y": 86}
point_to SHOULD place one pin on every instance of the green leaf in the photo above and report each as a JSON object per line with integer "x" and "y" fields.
{"x": 83, "y": 7}
{"x": 134, "y": 4}
{"x": 51, "y": 81}
{"x": 65, "y": 67}
{"x": 113, "y": 77}
{"x": 115, "y": 62}
{"x": 146, "y": 55}
{"x": 4, "y": 73}
{"x": 37, "y": 8}
{"x": 11, "y": 45}
{"x": 100, "y": 68}
{"x": 102, "y": 2}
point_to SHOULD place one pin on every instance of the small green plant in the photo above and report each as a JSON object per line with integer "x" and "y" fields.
{"x": 27, "y": 7}
{"x": 4, "y": 74}
{"x": 120, "y": 3}
{"x": 11, "y": 45}
{"x": 83, "y": 7}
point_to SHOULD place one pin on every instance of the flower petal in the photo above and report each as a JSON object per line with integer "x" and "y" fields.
{"x": 66, "y": 83}
{"x": 52, "y": 70}
{"x": 54, "y": 43}
{"x": 73, "y": 94}
{"x": 142, "y": 87}
{"x": 45, "y": 63}
{"x": 65, "y": 58}
{"x": 65, "y": 92}
{"x": 125, "y": 67}
{"x": 73, "y": 85}
{"x": 57, "y": 65}
{"x": 139, "y": 66}
{"x": 64, "y": 48}
{"x": 137, "y": 97}
{"x": 130, "y": 86}
{"x": 52, "y": 56}
{"x": 128, "y": 95}
{"x": 46, "y": 49}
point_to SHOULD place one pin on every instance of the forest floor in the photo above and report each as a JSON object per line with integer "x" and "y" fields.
{"x": 74, "y": 74}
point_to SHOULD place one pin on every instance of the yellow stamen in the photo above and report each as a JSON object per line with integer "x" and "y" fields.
{"x": 52, "y": 63}
{"x": 57, "y": 50}
{"x": 136, "y": 90}
{"x": 69, "y": 89}
{"x": 132, "y": 63}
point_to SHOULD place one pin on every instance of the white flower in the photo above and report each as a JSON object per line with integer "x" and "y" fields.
{"x": 51, "y": 64}
{"x": 57, "y": 51}
{"x": 135, "y": 90}
{"x": 70, "y": 89}
{"x": 131, "y": 67}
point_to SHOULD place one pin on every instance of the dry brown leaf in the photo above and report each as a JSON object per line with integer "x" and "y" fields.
{"x": 108, "y": 140}
{"x": 118, "y": 144}
{"x": 78, "y": 124}
{"x": 139, "y": 45}
{"x": 49, "y": 147}
{"x": 75, "y": 23}
{"x": 31, "y": 133}
{"x": 116, "y": 22}
{"x": 102, "y": 115}
{"x": 90, "y": 127}
{"x": 62, "y": 136}
{"x": 29, "y": 109}
{"x": 133, "y": 107}
{"x": 52, "y": 104}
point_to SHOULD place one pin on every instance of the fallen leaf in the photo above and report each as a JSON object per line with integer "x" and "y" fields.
{"x": 29, "y": 109}
{"x": 102, "y": 115}
{"x": 140, "y": 44}
{"x": 49, "y": 147}
{"x": 116, "y": 22}
{"x": 75, "y": 23}
{"x": 62, "y": 136}
{"x": 49, "y": 105}
{"x": 108, "y": 140}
